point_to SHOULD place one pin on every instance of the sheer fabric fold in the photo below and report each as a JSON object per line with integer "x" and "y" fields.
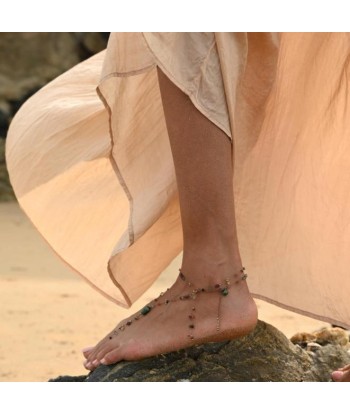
{"x": 89, "y": 159}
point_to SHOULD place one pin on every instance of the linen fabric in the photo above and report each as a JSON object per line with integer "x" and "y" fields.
{"x": 90, "y": 162}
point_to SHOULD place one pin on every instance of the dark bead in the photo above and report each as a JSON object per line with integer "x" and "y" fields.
{"x": 191, "y": 326}
{"x": 217, "y": 285}
{"x": 128, "y": 323}
{"x": 145, "y": 310}
{"x": 110, "y": 337}
{"x": 193, "y": 308}
{"x": 167, "y": 301}
{"x": 224, "y": 292}
{"x": 191, "y": 317}
{"x": 181, "y": 297}
{"x": 203, "y": 289}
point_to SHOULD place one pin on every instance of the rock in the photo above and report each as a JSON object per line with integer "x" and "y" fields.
{"x": 6, "y": 192}
{"x": 70, "y": 379}
{"x": 332, "y": 335}
{"x": 5, "y": 114}
{"x": 28, "y": 61}
{"x": 265, "y": 355}
{"x": 302, "y": 338}
{"x": 94, "y": 43}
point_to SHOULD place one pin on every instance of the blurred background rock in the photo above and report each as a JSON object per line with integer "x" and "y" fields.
{"x": 28, "y": 61}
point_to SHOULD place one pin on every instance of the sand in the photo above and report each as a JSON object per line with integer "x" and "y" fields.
{"x": 48, "y": 313}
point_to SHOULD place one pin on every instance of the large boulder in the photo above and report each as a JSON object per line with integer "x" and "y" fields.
{"x": 265, "y": 355}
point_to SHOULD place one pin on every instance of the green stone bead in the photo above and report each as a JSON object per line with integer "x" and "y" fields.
{"x": 224, "y": 291}
{"x": 145, "y": 310}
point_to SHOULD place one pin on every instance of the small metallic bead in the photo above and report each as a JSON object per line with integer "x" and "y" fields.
{"x": 191, "y": 317}
{"x": 181, "y": 297}
{"x": 217, "y": 329}
{"x": 122, "y": 328}
{"x": 193, "y": 308}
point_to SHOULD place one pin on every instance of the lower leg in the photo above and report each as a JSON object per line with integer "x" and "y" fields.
{"x": 202, "y": 156}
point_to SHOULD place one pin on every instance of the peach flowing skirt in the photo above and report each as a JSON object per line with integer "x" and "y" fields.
{"x": 89, "y": 159}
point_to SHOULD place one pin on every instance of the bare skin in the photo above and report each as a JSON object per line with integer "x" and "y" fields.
{"x": 202, "y": 155}
{"x": 342, "y": 374}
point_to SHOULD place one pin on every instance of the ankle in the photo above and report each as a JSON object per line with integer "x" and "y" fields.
{"x": 207, "y": 270}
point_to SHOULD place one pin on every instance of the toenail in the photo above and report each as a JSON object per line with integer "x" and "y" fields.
{"x": 86, "y": 349}
{"x": 103, "y": 361}
{"x": 95, "y": 362}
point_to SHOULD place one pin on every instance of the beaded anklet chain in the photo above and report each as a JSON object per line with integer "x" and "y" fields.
{"x": 222, "y": 289}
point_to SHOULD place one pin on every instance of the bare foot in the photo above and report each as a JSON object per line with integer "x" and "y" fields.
{"x": 178, "y": 324}
{"x": 88, "y": 350}
{"x": 342, "y": 374}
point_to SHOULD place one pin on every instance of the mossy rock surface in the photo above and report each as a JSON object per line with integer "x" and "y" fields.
{"x": 265, "y": 355}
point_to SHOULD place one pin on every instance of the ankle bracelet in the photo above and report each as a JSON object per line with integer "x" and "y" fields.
{"x": 221, "y": 288}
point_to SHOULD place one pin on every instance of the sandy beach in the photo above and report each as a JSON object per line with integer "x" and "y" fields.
{"x": 48, "y": 313}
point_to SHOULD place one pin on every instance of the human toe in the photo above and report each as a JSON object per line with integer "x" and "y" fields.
{"x": 337, "y": 375}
